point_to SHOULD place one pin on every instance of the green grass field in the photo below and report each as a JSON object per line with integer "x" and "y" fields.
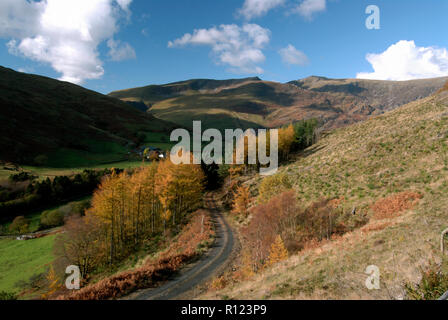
{"x": 21, "y": 260}
{"x": 44, "y": 172}
{"x": 98, "y": 152}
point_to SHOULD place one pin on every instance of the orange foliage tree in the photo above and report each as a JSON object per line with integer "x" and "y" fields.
{"x": 130, "y": 208}
{"x": 286, "y": 138}
{"x": 278, "y": 252}
{"x": 241, "y": 201}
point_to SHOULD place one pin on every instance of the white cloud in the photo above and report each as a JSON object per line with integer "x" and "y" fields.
{"x": 19, "y": 18}
{"x": 238, "y": 47}
{"x": 119, "y": 51}
{"x": 290, "y": 55}
{"x": 405, "y": 61}
{"x": 63, "y": 33}
{"x": 257, "y": 8}
{"x": 124, "y": 4}
{"x": 307, "y": 8}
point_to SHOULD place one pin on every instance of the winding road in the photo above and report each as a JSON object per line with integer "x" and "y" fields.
{"x": 201, "y": 271}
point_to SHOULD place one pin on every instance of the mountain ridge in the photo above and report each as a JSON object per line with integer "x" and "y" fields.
{"x": 253, "y": 102}
{"x": 48, "y": 116}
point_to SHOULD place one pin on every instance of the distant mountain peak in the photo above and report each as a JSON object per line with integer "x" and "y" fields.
{"x": 252, "y": 102}
{"x": 314, "y": 78}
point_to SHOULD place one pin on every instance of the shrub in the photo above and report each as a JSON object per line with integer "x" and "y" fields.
{"x": 277, "y": 217}
{"x": 323, "y": 219}
{"x": 52, "y": 219}
{"x": 283, "y": 217}
{"x": 21, "y": 177}
{"x": 218, "y": 283}
{"x": 272, "y": 186}
{"x": 392, "y": 206}
{"x": 19, "y": 225}
{"x": 7, "y": 296}
{"x": 432, "y": 286}
{"x": 79, "y": 208}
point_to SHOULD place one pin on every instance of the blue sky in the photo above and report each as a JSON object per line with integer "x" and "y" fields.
{"x": 327, "y": 38}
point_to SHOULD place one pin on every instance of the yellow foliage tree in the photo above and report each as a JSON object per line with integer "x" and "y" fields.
{"x": 277, "y": 253}
{"x": 132, "y": 207}
{"x": 241, "y": 202}
{"x": 180, "y": 188}
{"x": 286, "y": 137}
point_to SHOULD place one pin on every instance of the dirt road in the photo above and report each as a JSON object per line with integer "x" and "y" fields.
{"x": 187, "y": 281}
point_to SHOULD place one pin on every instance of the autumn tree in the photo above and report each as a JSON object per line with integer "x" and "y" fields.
{"x": 108, "y": 206}
{"x": 241, "y": 201}
{"x": 286, "y": 138}
{"x": 81, "y": 244}
{"x": 179, "y": 188}
{"x": 278, "y": 252}
{"x": 129, "y": 208}
{"x": 145, "y": 205}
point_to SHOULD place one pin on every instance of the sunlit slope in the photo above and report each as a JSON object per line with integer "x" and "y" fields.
{"x": 403, "y": 150}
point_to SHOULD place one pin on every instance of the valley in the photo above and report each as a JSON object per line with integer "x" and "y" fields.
{"x": 346, "y": 146}
{"x": 60, "y": 125}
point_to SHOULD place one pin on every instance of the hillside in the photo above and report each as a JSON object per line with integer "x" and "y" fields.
{"x": 48, "y": 122}
{"x": 405, "y": 150}
{"x": 252, "y": 103}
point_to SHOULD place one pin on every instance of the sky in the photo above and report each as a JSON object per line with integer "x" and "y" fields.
{"x": 108, "y": 45}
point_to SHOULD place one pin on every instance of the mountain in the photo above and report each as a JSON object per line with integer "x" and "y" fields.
{"x": 378, "y": 161}
{"x": 252, "y": 102}
{"x": 49, "y": 122}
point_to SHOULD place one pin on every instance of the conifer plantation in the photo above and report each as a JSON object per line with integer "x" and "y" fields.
{"x": 130, "y": 209}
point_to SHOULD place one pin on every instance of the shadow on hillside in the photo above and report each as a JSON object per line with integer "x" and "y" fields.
{"x": 310, "y": 151}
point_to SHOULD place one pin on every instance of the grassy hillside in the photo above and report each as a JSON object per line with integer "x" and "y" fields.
{"x": 58, "y": 124}
{"x": 405, "y": 150}
{"x": 252, "y": 103}
{"x": 22, "y": 260}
